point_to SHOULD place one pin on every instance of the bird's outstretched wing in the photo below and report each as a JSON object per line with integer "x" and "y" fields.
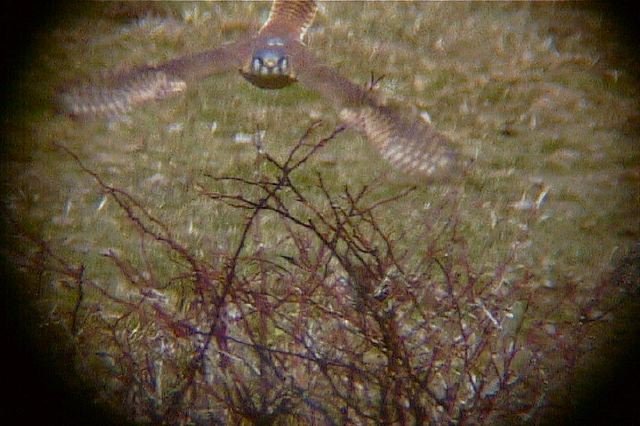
{"x": 407, "y": 142}
{"x": 291, "y": 17}
{"x": 119, "y": 93}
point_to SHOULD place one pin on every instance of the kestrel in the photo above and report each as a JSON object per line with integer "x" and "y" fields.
{"x": 274, "y": 58}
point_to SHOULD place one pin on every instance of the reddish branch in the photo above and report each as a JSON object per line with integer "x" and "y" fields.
{"x": 304, "y": 337}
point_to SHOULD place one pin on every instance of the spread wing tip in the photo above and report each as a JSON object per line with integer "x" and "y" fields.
{"x": 118, "y": 96}
{"x": 412, "y": 147}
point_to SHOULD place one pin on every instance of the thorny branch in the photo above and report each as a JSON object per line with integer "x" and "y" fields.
{"x": 331, "y": 324}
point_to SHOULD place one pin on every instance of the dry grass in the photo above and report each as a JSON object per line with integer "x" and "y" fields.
{"x": 549, "y": 112}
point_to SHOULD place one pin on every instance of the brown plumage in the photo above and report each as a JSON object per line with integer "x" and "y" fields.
{"x": 292, "y": 18}
{"x": 277, "y": 57}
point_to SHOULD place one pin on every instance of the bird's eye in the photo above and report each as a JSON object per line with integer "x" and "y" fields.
{"x": 256, "y": 64}
{"x": 283, "y": 64}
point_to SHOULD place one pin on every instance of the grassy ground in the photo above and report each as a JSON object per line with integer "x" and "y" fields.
{"x": 542, "y": 96}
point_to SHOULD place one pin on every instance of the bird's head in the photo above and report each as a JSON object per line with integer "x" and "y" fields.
{"x": 269, "y": 66}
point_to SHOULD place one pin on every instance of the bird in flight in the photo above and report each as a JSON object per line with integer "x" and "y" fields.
{"x": 274, "y": 58}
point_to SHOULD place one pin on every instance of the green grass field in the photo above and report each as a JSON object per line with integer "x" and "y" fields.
{"x": 543, "y": 97}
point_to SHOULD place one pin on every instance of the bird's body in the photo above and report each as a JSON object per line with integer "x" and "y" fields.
{"x": 275, "y": 58}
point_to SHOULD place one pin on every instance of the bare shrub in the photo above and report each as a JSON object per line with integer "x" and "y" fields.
{"x": 336, "y": 322}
